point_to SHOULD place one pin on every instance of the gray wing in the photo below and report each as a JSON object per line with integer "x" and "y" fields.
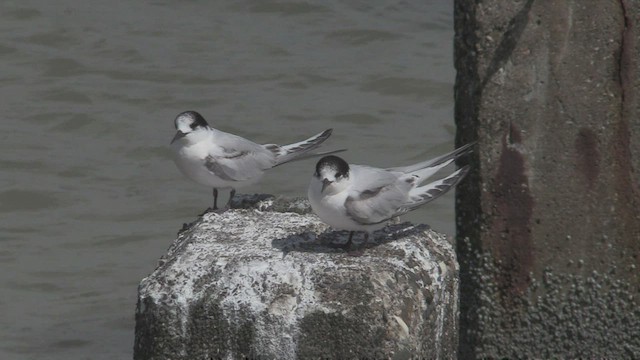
{"x": 424, "y": 194}
{"x": 286, "y": 153}
{"x": 440, "y": 160}
{"x": 238, "y": 159}
{"x": 376, "y": 194}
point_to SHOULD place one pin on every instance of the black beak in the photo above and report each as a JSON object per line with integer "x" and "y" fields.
{"x": 179, "y": 135}
{"x": 325, "y": 183}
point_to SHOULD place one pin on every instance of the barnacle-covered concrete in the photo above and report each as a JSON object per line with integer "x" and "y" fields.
{"x": 259, "y": 283}
{"x": 548, "y": 218}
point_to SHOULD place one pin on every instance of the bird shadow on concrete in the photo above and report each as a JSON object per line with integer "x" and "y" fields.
{"x": 332, "y": 241}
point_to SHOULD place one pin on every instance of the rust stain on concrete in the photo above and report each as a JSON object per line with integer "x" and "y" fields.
{"x": 588, "y": 156}
{"x": 511, "y": 226}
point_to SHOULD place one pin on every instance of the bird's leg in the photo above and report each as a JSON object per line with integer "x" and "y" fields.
{"x": 227, "y": 206}
{"x": 215, "y": 203}
{"x": 215, "y": 199}
{"x": 348, "y": 243}
{"x": 358, "y": 251}
{"x": 231, "y": 195}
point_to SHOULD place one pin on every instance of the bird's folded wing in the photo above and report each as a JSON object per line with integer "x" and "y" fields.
{"x": 235, "y": 158}
{"x": 426, "y": 193}
{"x": 435, "y": 162}
{"x": 238, "y": 165}
{"x": 286, "y": 153}
{"x": 376, "y": 195}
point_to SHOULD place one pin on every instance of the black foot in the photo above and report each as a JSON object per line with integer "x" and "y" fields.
{"x": 358, "y": 250}
{"x": 346, "y": 246}
{"x": 221, "y": 210}
{"x": 215, "y": 211}
{"x": 355, "y": 253}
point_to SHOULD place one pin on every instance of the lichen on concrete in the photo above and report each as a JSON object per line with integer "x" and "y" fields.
{"x": 267, "y": 284}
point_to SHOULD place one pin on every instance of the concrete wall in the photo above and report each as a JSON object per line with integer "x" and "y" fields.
{"x": 549, "y": 221}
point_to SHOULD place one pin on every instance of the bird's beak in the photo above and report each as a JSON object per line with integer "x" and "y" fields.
{"x": 178, "y": 136}
{"x": 325, "y": 183}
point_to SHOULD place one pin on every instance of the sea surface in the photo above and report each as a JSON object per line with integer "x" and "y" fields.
{"x": 89, "y": 196}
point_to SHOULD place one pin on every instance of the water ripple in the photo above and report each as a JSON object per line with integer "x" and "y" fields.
{"x": 27, "y": 200}
{"x": 361, "y": 36}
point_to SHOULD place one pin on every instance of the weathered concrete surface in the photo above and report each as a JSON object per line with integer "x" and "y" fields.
{"x": 549, "y": 221}
{"x": 266, "y": 284}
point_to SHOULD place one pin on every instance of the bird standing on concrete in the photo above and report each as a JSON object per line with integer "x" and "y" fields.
{"x": 225, "y": 161}
{"x": 363, "y": 198}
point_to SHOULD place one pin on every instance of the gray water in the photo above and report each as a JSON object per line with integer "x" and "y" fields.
{"x": 89, "y": 198}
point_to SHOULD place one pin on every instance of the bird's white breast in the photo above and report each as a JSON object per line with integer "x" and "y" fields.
{"x": 190, "y": 153}
{"x": 330, "y": 208}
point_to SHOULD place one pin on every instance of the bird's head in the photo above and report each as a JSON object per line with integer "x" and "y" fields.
{"x": 333, "y": 173}
{"x": 187, "y": 122}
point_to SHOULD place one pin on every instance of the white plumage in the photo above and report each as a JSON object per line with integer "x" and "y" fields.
{"x": 363, "y": 198}
{"x": 225, "y": 161}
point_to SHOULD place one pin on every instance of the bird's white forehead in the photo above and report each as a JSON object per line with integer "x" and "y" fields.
{"x": 184, "y": 121}
{"x": 328, "y": 169}
{"x": 328, "y": 172}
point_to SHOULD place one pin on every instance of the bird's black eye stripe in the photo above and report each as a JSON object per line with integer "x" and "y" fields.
{"x": 197, "y": 121}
